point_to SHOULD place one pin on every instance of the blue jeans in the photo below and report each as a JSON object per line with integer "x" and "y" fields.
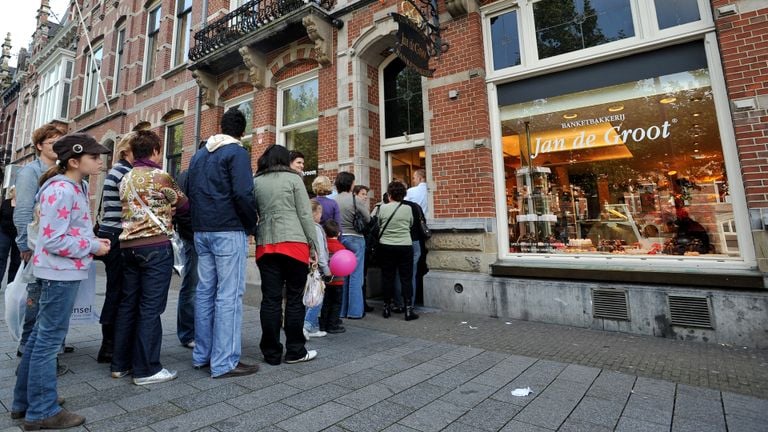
{"x": 219, "y": 299}
{"x": 138, "y": 329}
{"x": 8, "y": 249}
{"x": 30, "y": 314}
{"x": 185, "y": 314}
{"x": 35, "y": 390}
{"x": 398, "y": 285}
{"x": 312, "y": 318}
{"x": 352, "y": 293}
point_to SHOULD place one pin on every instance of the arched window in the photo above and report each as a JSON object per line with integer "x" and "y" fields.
{"x": 404, "y": 113}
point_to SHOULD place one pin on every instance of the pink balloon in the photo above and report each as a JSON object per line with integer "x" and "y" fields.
{"x": 343, "y": 263}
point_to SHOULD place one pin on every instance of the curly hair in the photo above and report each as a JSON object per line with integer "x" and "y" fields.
{"x": 321, "y": 186}
{"x": 45, "y": 132}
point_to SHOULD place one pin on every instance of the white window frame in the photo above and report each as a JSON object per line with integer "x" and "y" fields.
{"x": 647, "y": 34}
{"x": 148, "y": 73}
{"x": 233, "y": 4}
{"x": 91, "y": 79}
{"x": 744, "y": 264}
{"x": 119, "y": 57}
{"x": 187, "y": 15}
{"x": 281, "y": 86}
{"x": 248, "y": 134}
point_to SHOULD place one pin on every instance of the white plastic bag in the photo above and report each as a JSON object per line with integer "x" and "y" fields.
{"x": 84, "y": 311}
{"x": 16, "y": 304}
{"x": 179, "y": 257}
{"x": 314, "y": 288}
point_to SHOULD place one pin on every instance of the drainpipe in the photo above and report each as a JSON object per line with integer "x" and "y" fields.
{"x": 199, "y": 99}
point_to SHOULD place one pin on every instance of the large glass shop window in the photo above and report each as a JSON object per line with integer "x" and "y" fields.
{"x": 634, "y": 168}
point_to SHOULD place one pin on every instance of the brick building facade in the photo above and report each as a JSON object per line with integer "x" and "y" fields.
{"x": 568, "y": 145}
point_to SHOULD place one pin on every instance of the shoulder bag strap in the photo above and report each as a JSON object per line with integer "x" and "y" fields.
{"x": 146, "y": 208}
{"x": 384, "y": 228}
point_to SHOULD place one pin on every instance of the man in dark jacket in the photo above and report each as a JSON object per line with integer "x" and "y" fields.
{"x": 223, "y": 213}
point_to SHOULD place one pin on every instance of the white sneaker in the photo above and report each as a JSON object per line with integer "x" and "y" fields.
{"x": 121, "y": 374}
{"x": 311, "y": 354}
{"x": 160, "y": 377}
{"x": 306, "y": 333}
{"x": 317, "y": 334}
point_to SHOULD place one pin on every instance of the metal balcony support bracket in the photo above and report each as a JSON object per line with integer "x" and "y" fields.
{"x": 256, "y": 63}
{"x": 207, "y": 84}
{"x": 321, "y": 34}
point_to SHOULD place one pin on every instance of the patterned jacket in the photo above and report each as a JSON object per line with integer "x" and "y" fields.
{"x": 159, "y": 194}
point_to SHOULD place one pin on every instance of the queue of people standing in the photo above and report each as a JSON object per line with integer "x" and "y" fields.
{"x": 140, "y": 208}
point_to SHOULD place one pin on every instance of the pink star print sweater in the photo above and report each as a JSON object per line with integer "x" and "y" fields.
{"x": 65, "y": 243}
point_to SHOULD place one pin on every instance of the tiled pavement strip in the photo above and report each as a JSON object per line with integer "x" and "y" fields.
{"x": 428, "y": 375}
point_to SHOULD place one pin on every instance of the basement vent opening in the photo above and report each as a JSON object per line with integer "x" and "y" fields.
{"x": 610, "y": 304}
{"x": 690, "y": 311}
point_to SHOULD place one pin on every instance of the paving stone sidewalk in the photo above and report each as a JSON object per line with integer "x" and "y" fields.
{"x": 371, "y": 380}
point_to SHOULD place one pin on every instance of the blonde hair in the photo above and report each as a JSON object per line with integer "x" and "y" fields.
{"x": 124, "y": 146}
{"x": 322, "y": 185}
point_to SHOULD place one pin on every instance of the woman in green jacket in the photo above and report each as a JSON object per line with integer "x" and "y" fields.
{"x": 285, "y": 242}
{"x": 395, "y": 253}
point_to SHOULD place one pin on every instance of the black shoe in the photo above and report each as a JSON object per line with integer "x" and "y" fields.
{"x": 19, "y": 353}
{"x": 410, "y": 315}
{"x": 398, "y": 309}
{"x": 105, "y": 352}
{"x": 368, "y": 308}
{"x": 336, "y": 329}
{"x": 69, "y": 349}
{"x": 241, "y": 369}
{"x": 386, "y": 312}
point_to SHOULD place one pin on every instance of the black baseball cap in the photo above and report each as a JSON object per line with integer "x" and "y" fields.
{"x": 77, "y": 144}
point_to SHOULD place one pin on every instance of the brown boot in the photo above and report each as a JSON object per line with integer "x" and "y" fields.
{"x": 63, "y": 420}
{"x": 16, "y": 415}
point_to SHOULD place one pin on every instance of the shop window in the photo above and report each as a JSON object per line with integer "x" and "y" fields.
{"x": 153, "y": 32}
{"x": 174, "y": 146}
{"x": 564, "y": 26}
{"x": 119, "y": 59}
{"x": 633, "y": 166}
{"x": 92, "y": 78}
{"x": 245, "y": 105}
{"x": 298, "y": 123}
{"x": 505, "y": 39}
{"x": 672, "y": 13}
{"x": 183, "y": 21}
{"x": 403, "y": 109}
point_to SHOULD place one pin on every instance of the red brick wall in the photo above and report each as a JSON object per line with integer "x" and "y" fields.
{"x": 743, "y": 42}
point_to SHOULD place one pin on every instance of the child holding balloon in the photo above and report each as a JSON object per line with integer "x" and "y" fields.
{"x": 341, "y": 261}
{"x": 311, "y": 318}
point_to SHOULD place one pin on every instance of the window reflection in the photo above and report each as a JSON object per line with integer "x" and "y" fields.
{"x": 634, "y": 168}
{"x": 672, "y": 13}
{"x": 403, "y": 108}
{"x": 564, "y": 26}
{"x": 506, "y": 40}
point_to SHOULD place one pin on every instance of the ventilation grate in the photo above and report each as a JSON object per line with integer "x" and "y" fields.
{"x": 610, "y": 304}
{"x": 689, "y": 311}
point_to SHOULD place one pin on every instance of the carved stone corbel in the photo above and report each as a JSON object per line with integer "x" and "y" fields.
{"x": 458, "y": 8}
{"x": 207, "y": 84}
{"x": 321, "y": 34}
{"x": 256, "y": 64}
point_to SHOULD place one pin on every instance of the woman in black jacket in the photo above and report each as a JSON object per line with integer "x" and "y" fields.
{"x": 8, "y": 248}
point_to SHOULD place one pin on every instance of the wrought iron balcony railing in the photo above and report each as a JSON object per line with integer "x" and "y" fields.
{"x": 244, "y": 20}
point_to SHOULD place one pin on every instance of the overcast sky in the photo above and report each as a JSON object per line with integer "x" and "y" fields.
{"x": 18, "y": 18}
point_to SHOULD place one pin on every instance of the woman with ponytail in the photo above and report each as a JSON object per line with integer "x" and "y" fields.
{"x": 62, "y": 256}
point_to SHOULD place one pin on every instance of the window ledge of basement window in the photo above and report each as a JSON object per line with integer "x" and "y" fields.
{"x": 85, "y": 114}
{"x": 174, "y": 71}
{"x": 746, "y": 279}
{"x": 144, "y": 86}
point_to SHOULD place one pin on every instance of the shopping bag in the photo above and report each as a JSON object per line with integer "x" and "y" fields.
{"x": 84, "y": 312}
{"x": 179, "y": 257}
{"x": 16, "y": 304}
{"x": 314, "y": 288}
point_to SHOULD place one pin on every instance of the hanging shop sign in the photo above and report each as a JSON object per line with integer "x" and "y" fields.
{"x": 418, "y": 34}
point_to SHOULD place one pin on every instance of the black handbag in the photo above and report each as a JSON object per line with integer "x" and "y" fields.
{"x": 358, "y": 223}
{"x": 373, "y": 241}
{"x": 424, "y": 230}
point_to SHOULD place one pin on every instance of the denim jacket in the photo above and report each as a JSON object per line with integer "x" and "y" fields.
{"x": 26, "y": 189}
